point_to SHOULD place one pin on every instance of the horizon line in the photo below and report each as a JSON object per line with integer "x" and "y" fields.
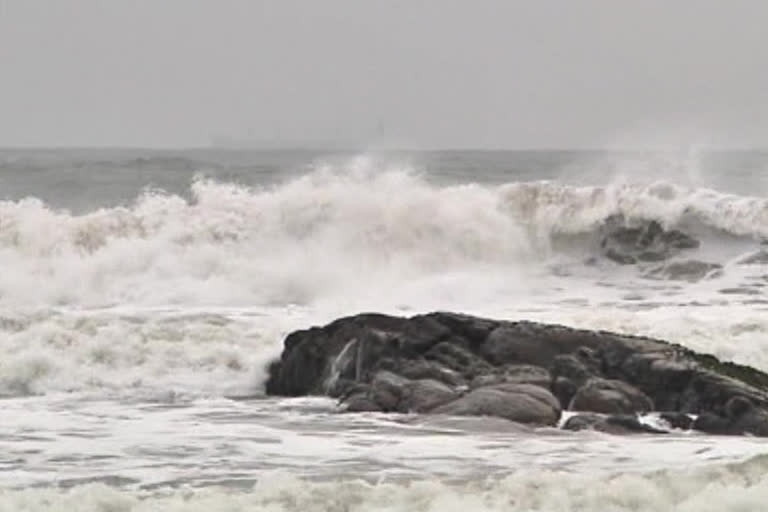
{"x": 373, "y": 149}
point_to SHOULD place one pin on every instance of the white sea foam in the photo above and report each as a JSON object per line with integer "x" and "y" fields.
{"x": 133, "y": 323}
{"x": 741, "y": 486}
{"x": 196, "y": 294}
{"x": 317, "y": 236}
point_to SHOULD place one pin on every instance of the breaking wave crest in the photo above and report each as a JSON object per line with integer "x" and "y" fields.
{"x": 742, "y": 486}
{"x": 196, "y": 293}
{"x": 318, "y": 235}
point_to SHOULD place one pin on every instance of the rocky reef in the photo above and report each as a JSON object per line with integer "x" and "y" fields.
{"x": 628, "y": 241}
{"x": 526, "y": 372}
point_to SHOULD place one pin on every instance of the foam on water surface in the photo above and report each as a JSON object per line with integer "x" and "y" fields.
{"x": 740, "y": 486}
{"x": 134, "y": 341}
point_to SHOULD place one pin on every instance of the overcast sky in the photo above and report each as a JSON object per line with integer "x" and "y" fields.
{"x": 411, "y": 73}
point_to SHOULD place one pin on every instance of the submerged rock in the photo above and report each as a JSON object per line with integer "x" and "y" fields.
{"x": 631, "y": 241}
{"x": 447, "y": 363}
{"x": 688, "y": 270}
{"x": 610, "y": 424}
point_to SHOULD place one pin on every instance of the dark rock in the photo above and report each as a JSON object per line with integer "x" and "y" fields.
{"x": 610, "y": 397}
{"x": 571, "y": 371}
{"x": 711, "y": 423}
{"x": 458, "y": 359}
{"x": 677, "y": 420}
{"x": 475, "y": 330}
{"x": 425, "y": 395}
{"x": 653, "y": 255}
{"x": 620, "y": 257}
{"x": 424, "y": 369}
{"x": 361, "y": 403}
{"x": 537, "y": 392}
{"x": 387, "y": 389}
{"x": 524, "y": 371}
{"x": 740, "y": 417}
{"x": 710, "y": 392}
{"x": 523, "y": 403}
{"x": 389, "y": 392}
{"x": 516, "y": 374}
{"x": 422, "y": 333}
{"x": 678, "y": 240}
{"x": 578, "y": 367}
{"x": 628, "y": 241}
{"x": 688, "y": 270}
{"x": 564, "y": 389}
{"x": 610, "y": 424}
{"x": 344, "y": 388}
{"x": 534, "y": 344}
{"x": 661, "y": 375}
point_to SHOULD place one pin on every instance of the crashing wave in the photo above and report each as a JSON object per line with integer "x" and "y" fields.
{"x": 324, "y": 230}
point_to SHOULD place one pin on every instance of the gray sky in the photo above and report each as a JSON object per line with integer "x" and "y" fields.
{"x": 416, "y": 73}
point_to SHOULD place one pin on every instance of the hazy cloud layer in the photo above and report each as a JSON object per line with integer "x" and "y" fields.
{"x": 494, "y": 73}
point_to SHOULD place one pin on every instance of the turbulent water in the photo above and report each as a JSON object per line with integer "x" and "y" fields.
{"x": 142, "y": 294}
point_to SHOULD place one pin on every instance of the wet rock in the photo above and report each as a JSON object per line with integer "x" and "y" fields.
{"x": 533, "y": 344}
{"x": 387, "y": 389}
{"x": 424, "y": 395}
{"x": 611, "y": 397}
{"x": 361, "y": 403}
{"x": 628, "y": 241}
{"x": 740, "y": 417}
{"x": 424, "y": 369}
{"x": 688, "y": 270}
{"x": 678, "y": 240}
{"x": 571, "y": 371}
{"x": 662, "y": 376}
{"x": 711, "y": 423}
{"x": 459, "y": 359}
{"x": 564, "y": 390}
{"x": 471, "y": 328}
{"x": 390, "y": 392}
{"x": 610, "y": 424}
{"x": 523, "y": 403}
{"x": 343, "y": 389}
{"x": 515, "y": 374}
{"x": 424, "y": 363}
{"x": 578, "y": 367}
{"x": 619, "y": 257}
{"x": 677, "y": 420}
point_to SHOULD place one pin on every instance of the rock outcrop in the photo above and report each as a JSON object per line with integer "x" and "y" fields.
{"x": 628, "y": 241}
{"x": 447, "y": 363}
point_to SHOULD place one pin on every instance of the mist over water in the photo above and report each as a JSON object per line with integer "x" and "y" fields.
{"x": 144, "y": 293}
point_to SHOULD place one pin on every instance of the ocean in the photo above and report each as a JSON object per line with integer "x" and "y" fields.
{"x": 144, "y": 292}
